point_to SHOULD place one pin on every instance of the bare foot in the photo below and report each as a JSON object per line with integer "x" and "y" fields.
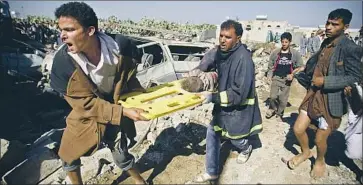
{"x": 298, "y": 159}
{"x": 319, "y": 169}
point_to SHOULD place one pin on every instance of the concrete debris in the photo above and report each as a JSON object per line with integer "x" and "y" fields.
{"x": 92, "y": 167}
{"x": 34, "y": 169}
{"x": 261, "y": 49}
{"x": 163, "y": 138}
{"x": 151, "y": 136}
{"x": 163, "y": 132}
{"x": 40, "y": 161}
{"x": 258, "y": 52}
{"x": 50, "y": 140}
{"x": 11, "y": 154}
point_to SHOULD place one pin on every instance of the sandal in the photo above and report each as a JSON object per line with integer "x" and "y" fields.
{"x": 203, "y": 178}
{"x": 293, "y": 164}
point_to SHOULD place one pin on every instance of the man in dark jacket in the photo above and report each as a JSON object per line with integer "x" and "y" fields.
{"x": 335, "y": 66}
{"x": 236, "y": 114}
{"x": 91, "y": 74}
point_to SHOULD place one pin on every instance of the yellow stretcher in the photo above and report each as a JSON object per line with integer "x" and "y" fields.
{"x": 156, "y": 108}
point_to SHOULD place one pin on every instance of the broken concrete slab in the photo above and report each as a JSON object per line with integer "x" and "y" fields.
{"x": 50, "y": 140}
{"x": 95, "y": 165}
{"x": 11, "y": 154}
{"x": 92, "y": 167}
{"x": 39, "y": 162}
{"x": 34, "y": 169}
{"x": 57, "y": 177}
{"x": 258, "y": 52}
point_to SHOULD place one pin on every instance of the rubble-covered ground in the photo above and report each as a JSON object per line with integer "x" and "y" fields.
{"x": 171, "y": 149}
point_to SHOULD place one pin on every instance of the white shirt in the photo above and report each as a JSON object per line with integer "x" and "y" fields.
{"x": 103, "y": 74}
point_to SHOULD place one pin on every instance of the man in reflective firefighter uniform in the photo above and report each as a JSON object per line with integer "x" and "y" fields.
{"x": 236, "y": 114}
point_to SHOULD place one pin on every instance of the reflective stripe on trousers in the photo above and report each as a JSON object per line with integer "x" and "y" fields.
{"x": 224, "y": 133}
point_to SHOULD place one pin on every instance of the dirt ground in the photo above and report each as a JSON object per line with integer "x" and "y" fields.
{"x": 182, "y": 157}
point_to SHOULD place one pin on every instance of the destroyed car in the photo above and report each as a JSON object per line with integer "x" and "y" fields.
{"x": 165, "y": 60}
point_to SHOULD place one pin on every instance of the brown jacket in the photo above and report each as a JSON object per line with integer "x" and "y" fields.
{"x": 91, "y": 112}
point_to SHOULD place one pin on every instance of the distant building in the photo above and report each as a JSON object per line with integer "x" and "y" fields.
{"x": 260, "y": 29}
{"x": 263, "y": 30}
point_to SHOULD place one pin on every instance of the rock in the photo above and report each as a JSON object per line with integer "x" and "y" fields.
{"x": 34, "y": 169}
{"x": 57, "y": 177}
{"x": 41, "y": 160}
{"x": 11, "y": 154}
{"x": 50, "y": 140}
{"x": 259, "y": 83}
{"x": 151, "y": 136}
{"x": 176, "y": 119}
{"x": 93, "y": 165}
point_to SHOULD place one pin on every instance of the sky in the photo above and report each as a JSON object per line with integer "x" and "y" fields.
{"x": 299, "y": 13}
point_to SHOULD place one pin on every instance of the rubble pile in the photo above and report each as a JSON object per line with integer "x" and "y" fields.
{"x": 260, "y": 56}
{"x": 145, "y": 27}
{"x": 152, "y": 27}
{"x": 162, "y": 134}
{"x": 200, "y": 115}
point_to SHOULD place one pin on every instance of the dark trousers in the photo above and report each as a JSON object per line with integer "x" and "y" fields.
{"x": 213, "y": 149}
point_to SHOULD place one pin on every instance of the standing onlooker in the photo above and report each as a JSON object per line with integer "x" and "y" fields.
{"x": 303, "y": 45}
{"x": 283, "y": 64}
{"x": 310, "y": 45}
{"x": 334, "y": 67}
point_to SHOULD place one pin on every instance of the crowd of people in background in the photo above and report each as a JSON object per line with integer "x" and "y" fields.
{"x": 309, "y": 46}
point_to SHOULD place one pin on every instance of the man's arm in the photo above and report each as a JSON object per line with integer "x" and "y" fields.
{"x": 207, "y": 61}
{"x": 298, "y": 65}
{"x": 353, "y": 69}
{"x": 271, "y": 63}
{"x": 91, "y": 107}
{"x": 83, "y": 102}
{"x": 237, "y": 94}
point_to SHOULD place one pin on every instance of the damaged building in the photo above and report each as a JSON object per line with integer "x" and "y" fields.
{"x": 263, "y": 30}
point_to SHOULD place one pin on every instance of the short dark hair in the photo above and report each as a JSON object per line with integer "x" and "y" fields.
{"x": 231, "y": 23}
{"x": 286, "y": 35}
{"x": 80, "y": 11}
{"x": 341, "y": 13}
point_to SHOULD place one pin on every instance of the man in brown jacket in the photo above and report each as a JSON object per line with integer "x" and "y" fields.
{"x": 91, "y": 73}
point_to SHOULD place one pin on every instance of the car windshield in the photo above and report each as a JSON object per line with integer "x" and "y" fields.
{"x": 187, "y": 53}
